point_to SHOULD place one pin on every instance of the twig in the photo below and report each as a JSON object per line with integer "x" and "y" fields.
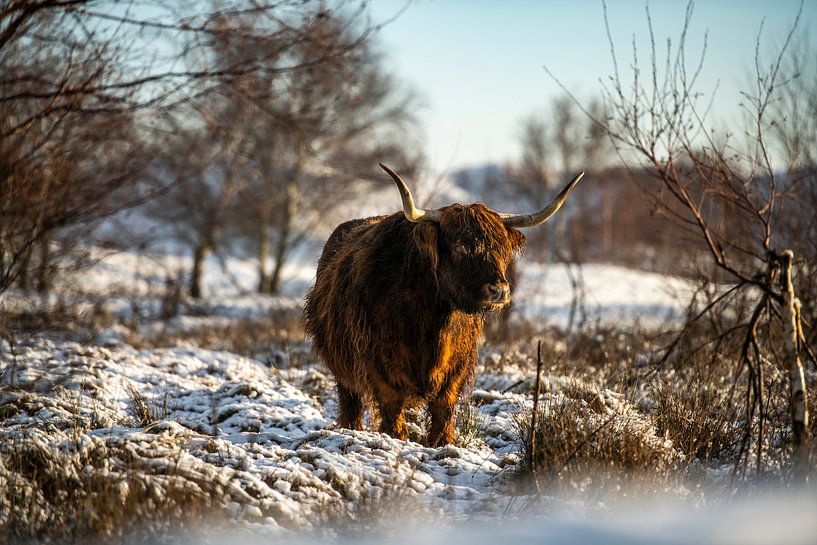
{"x": 532, "y": 438}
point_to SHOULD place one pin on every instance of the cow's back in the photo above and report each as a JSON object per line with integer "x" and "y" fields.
{"x": 331, "y": 312}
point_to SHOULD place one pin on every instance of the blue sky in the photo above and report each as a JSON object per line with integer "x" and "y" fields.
{"x": 479, "y": 64}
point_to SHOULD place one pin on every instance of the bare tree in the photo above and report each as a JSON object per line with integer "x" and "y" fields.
{"x": 203, "y": 176}
{"x": 312, "y": 133}
{"x": 554, "y": 144}
{"x": 731, "y": 198}
{"x": 83, "y": 83}
{"x": 795, "y": 132}
{"x": 65, "y": 148}
{"x": 533, "y": 173}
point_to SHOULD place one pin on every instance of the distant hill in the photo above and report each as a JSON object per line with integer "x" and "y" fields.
{"x": 478, "y": 181}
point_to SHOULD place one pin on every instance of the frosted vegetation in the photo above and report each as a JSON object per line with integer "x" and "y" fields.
{"x": 130, "y": 420}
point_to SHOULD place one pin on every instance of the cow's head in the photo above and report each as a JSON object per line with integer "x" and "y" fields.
{"x": 471, "y": 246}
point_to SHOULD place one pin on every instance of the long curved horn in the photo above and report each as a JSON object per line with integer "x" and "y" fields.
{"x": 412, "y": 213}
{"x": 540, "y": 217}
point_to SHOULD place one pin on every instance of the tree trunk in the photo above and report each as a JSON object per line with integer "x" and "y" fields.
{"x": 576, "y": 229}
{"x": 23, "y": 278}
{"x": 797, "y": 383}
{"x": 44, "y": 267}
{"x": 199, "y": 254}
{"x": 264, "y": 279}
{"x": 606, "y": 220}
{"x": 285, "y": 234}
{"x": 266, "y": 214}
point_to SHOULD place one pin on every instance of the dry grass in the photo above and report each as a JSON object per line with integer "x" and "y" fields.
{"x": 146, "y": 411}
{"x": 467, "y": 424}
{"x": 614, "y": 423}
{"x": 696, "y": 401}
{"x": 61, "y": 318}
{"x": 278, "y": 339}
{"x": 698, "y": 419}
{"x": 578, "y": 445}
{"x": 54, "y": 496}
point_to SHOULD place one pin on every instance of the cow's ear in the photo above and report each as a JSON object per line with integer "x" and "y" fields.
{"x": 425, "y": 242}
{"x": 517, "y": 239}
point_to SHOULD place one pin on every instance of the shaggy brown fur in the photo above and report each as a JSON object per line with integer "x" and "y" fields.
{"x": 398, "y": 308}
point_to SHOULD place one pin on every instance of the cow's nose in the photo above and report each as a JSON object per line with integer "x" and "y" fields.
{"x": 499, "y": 292}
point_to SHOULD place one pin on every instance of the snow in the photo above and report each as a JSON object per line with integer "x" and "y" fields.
{"x": 261, "y": 442}
{"x": 273, "y": 448}
{"x": 772, "y": 518}
{"x": 228, "y": 419}
{"x": 125, "y": 283}
{"x": 256, "y": 441}
{"x": 612, "y": 295}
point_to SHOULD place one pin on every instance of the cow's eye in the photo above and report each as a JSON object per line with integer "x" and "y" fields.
{"x": 459, "y": 249}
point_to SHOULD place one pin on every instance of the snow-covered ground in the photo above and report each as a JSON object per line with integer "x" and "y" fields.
{"x": 225, "y": 419}
{"x": 545, "y": 293}
{"x": 265, "y": 436}
{"x": 606, "y": 294}
{"x": 260, "y": 444}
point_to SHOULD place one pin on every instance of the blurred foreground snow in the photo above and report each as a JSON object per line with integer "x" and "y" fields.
{"x": 773, "y": 518}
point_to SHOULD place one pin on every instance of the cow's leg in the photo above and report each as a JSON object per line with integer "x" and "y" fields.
{"x": 350, "y": 409}
{"x": 442, "y": 410}
{"x": 443, "y": 407}
{"x": 392, "y": 420}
